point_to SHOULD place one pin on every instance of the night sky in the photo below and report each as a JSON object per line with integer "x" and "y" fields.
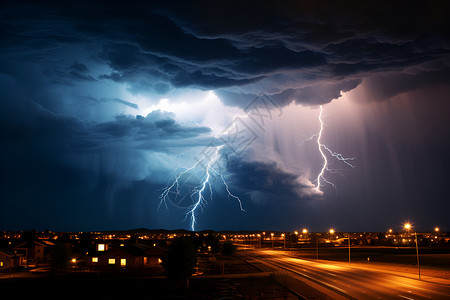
{"x": 104, "y": 104}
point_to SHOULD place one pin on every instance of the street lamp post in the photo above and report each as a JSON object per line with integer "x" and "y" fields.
{"x": 284, "y": 240}
{"x": 317, "y": 245}
{"x": 349, "y": 247}
{"x": 408, "y": 228}
{"x": 272, "y": 239}
{"x": 417, "y": 253}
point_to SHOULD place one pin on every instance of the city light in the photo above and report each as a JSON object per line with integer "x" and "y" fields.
{"x": 331, "y": 231}
{"x": 304, "y": 231}
{"x": 436, "y": 229}
{"x": 407, "y": 226}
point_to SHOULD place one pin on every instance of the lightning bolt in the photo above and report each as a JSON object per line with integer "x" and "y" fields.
{"x": 323, "y": 149}
{"x": 198, "y": 193}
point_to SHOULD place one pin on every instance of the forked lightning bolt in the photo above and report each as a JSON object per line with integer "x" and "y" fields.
{"x": 198, "y": 193}
{"x": 323, "y": 149}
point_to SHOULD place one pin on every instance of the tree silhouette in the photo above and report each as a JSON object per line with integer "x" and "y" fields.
{"x": 181, "y": 260}
{"x": 228, "y": 249}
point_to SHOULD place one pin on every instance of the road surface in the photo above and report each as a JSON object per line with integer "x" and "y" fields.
{"x": 347, "y": 282}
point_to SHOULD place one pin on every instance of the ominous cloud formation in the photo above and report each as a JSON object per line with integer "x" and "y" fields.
{"x": 82, "y": 81}
{"x": 292, "y": 50}
{"x": 266, "y": 183}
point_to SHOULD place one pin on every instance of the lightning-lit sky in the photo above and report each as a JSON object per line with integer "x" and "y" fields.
{"x": 104, "y": 104}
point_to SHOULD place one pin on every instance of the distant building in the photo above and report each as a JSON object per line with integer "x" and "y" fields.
{"x": 8, "y": 260}
{"x": 124, "y": 256}
{"x": 33, "y": 252}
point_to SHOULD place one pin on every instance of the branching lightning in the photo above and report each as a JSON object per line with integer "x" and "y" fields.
{"x": 323, "y": 149}
{"x": 198, "y": 193}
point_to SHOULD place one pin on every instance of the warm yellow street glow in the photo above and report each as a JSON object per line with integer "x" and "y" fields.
{"x": 332, "y": 231}
{"x": 304, "y": 231}
{"x": 407, "y": 226}
{"x": 436, "y": 229}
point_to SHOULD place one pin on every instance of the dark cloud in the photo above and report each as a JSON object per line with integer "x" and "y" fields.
{"x": 80, "y": 76}
{"x": 266, "y": 183}
{"x": 79, "y": 67}
{"x": 158, "y": 47}
{"x": 386, "y": 86}
{"x": 157, "y": 125}
{"x": 64, "y": 67}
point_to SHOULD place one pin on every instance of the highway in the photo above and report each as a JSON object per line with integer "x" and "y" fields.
{"x": 347, "y": 282}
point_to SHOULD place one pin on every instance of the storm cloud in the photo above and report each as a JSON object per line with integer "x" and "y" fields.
{"x": 291, "y": 50}
{"x": 87, "y": 88}
{"x": 267, "y": 183}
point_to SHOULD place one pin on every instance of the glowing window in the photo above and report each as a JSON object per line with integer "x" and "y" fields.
{"x": 95, "y": 259}
{"x": 112, "y": 261}
{"x": 101, "y": 247}
{"x": 123, "y": 262}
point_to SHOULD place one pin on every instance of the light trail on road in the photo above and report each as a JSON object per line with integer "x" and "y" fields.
{"x": 354, "y": 282}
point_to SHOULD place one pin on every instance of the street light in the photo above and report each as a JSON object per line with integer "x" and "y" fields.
{"x": 436, "y": 229}
{"x": 284, "y": 240}
{"x": 408, "y": 227}
{"x": 305, "y": 231}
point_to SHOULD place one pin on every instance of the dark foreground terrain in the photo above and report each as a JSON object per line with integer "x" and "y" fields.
{"x": 85, "y": 285}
